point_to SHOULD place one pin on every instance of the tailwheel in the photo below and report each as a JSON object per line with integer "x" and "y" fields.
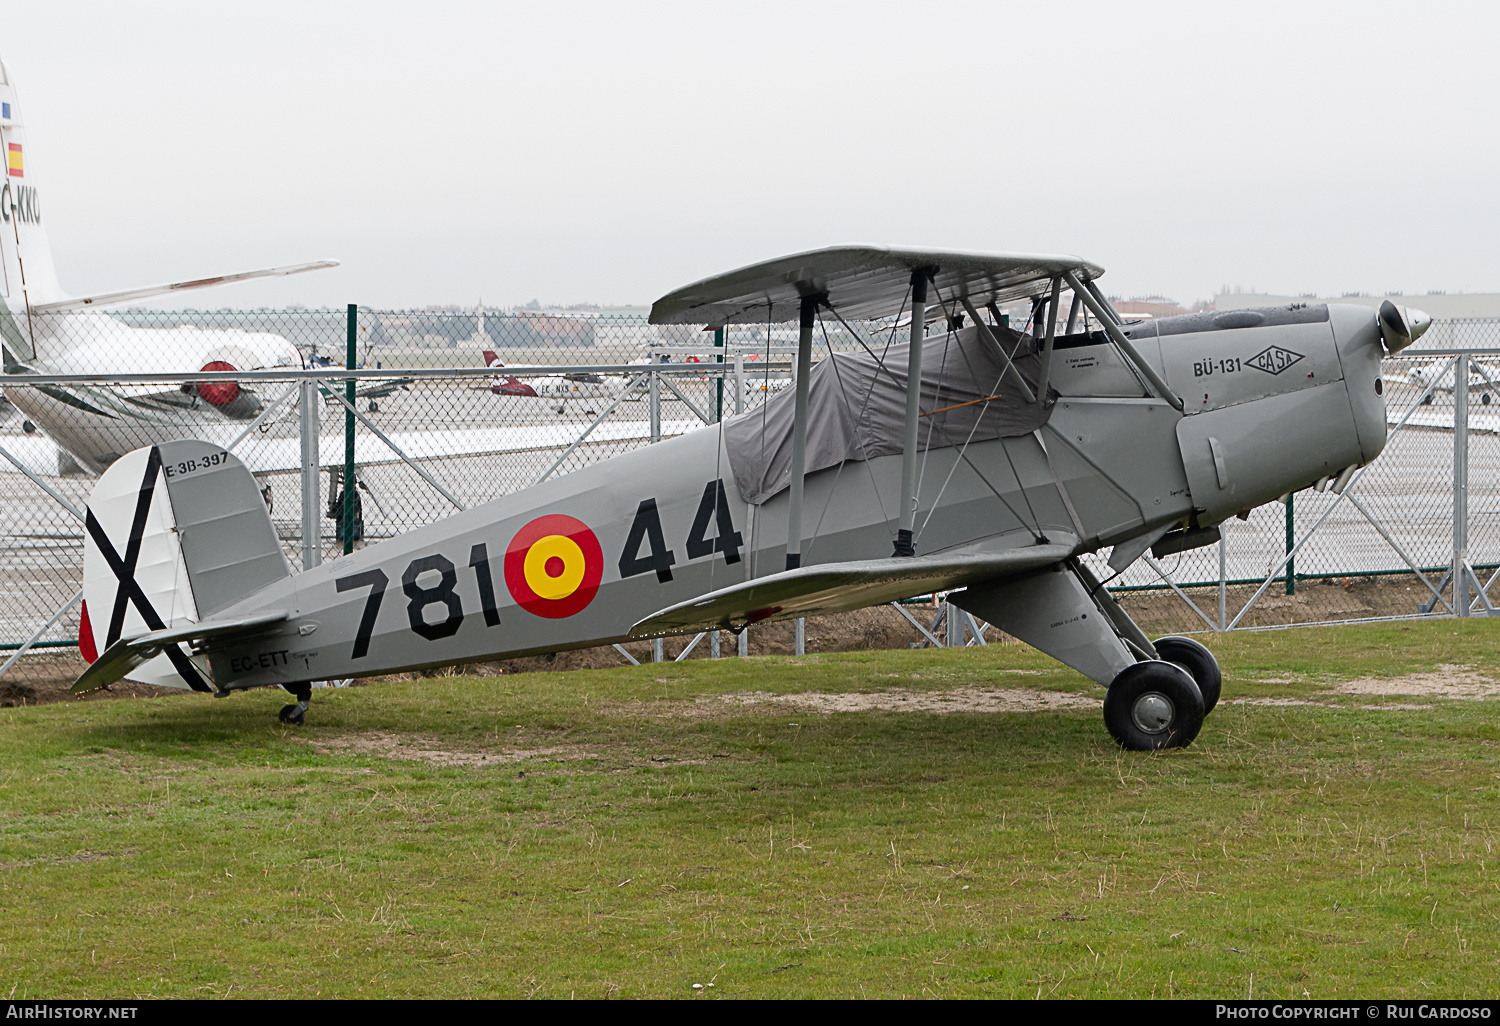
{"x": 293, "y": 715}
{"x": 1199, "y": 662}
{"x": 1153, "y": 705}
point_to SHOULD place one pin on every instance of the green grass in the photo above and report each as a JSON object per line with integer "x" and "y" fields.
{"x": 194, "y": 847}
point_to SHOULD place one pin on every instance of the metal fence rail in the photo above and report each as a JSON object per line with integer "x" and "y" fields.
{"x": 405, "y": 405}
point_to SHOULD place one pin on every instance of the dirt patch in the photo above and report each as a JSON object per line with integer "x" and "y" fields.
{"x": 1268, "y": 701}
{"x": 1447, "y": 681}
{"x": 384, "y": 744}
{"x": 957, "y": 700}
{"x": 64, "y": 860}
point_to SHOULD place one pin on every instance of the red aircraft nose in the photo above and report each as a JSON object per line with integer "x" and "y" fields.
{"x": 218, "y": 393}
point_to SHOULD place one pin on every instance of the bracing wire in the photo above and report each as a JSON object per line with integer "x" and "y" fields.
{"x": 948, "y": 439}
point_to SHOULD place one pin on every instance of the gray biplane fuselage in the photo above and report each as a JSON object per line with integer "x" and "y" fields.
{"x": 1138, "y": 436}
{"x": 1129, "y": 465}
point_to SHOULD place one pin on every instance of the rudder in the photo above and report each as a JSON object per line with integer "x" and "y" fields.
{"x": 175, "y": 533}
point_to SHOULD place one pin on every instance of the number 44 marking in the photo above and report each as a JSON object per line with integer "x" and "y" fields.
{"x": 646, "y": 530}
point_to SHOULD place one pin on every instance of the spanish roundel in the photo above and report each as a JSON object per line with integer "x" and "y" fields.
{"x": 553, "y": 566}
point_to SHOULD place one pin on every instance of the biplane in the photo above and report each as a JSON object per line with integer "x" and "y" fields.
{"x": 949, "y": 452}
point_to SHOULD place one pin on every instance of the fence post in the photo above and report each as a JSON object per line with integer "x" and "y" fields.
{"x": 742, "y": 643}
{"x": 349, "y": 433}
{"x": 954, "y": 633}
{"x": 1291, "y": 543}
{"x": 655, "y": 394}
{"x": 1461, "y": 485}
{"x": 801, "y": 646}
{"x": 1223, "y": 581}
{"x": 312, "y": 540}
{"x": 719, "y": 387}
{"x": 713, "y": 645}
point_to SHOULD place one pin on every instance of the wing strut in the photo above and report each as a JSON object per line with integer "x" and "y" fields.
{"x": 989, "y": 336}
{"x": 1050, "y": 338}
{"x": 1162, "y": 389}
{"x": 799, "y": 431}
{"x": 908, "y": 497}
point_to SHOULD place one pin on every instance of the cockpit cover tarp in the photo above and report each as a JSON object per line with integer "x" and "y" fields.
{"x": 856, "y": 408}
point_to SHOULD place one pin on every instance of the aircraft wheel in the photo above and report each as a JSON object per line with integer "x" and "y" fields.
{"x": 292, "y": 714}
{"x": 1485, "y": 398}
{"x": 1427, "y": 401}
{"x": 28, "y": 427}
{"x": 374, "y": 406}
{"x": 1199, "y": 662}
{"x": 1153, "y": 705}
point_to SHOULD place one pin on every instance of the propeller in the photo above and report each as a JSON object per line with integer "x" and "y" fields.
{"x": 1400, "y": 326}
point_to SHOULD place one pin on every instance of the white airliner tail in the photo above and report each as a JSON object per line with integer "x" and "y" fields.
{"x": 28, "y": 276}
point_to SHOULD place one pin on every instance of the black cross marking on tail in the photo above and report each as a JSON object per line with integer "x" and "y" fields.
{"x": 129, "y": 590}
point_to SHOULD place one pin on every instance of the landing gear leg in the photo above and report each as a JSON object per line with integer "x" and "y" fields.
{"x": 292, "y": 714}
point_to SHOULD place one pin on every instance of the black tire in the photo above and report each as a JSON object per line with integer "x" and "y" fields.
{"x": 289, "y": 714}
{"x": 1485, "y": 399}
{"x": 1427, "y": 400}
{"x": 1199, "y": 662}
{"x": 1153, "y": 705}
{"x": 28, "y": 427}
{"x": 374, "y": 406}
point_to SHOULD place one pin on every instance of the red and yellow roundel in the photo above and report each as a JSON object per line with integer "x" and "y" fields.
{"x": 553, "y": 566}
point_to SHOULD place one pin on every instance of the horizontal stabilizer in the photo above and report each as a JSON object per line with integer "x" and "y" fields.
{"x": 106, "y": 298}
{"x": 128, "y": 653}
{"x": 837, "y": 587}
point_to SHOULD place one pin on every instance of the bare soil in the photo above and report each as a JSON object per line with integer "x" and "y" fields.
{"x": 1447, "y": 681}
{"x": 419, "y": 748}
{"x": 956, "y": 700}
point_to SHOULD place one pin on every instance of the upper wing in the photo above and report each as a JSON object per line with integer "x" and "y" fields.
{"x": 861, "y": 281}
{"x": 106, "y": 298}
{"x": 836, "y": 587}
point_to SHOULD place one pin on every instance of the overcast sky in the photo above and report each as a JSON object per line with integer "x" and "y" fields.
{"x": 610, "y": 152}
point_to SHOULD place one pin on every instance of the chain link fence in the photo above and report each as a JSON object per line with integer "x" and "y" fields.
{"x": 448, "y": 409}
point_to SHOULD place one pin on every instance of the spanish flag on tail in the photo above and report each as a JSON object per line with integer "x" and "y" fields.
{"x": 13, "y": 160}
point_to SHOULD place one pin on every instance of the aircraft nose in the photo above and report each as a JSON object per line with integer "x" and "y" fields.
{"x": 1400, "y": 326}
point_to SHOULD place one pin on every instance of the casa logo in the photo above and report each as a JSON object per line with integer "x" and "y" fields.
{"x": 1273, "y": 360}
{"x": 553, "y": 566}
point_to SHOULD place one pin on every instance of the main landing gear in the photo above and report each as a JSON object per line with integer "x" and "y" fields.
{"x": 293, "y": 714}
{"x": 1159, "y": 692}
{"x": 1161, "y": 703}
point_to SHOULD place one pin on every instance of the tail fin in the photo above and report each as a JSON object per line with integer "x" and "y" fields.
{"x": 175, "y": 533}
{"x": 26, "y": 267}
{"x": 491, "y": 360}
